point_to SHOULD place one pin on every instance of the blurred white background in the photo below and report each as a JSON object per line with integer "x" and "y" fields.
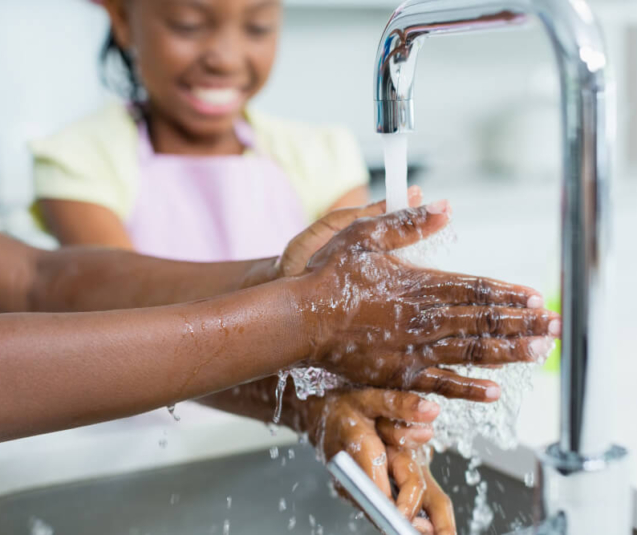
{"x": 486, "y": 105}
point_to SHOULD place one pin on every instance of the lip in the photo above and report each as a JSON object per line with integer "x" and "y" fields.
{"x": 212, "y": 109}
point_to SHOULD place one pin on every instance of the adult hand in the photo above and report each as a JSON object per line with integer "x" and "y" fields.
{"x": 384, "y": 322}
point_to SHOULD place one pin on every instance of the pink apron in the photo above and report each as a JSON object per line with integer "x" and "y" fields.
{"x": 212, "y": 209}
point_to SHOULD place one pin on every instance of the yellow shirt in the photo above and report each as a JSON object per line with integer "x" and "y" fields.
{"x": 96, "y": 160}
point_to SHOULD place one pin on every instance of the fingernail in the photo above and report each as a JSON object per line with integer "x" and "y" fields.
{"x": 438, "y": 207}
{"x": 535, "y": 301}
{"x": 541, "y": 348}
{"x": 421, "y": 434}
{"x": 493, "y": 393}
{"x": 555, "y": 328}
{"x": 414, "y": 191}
{"x": 427, "y": 406}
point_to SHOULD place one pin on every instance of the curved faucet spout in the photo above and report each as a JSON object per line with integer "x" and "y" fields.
{"x": 586, "y": 101}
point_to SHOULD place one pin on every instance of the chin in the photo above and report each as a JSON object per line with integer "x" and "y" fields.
{"x": 211, "y": 127}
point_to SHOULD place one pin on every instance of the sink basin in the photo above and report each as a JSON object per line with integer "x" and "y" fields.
{"x": 250, "y": 493}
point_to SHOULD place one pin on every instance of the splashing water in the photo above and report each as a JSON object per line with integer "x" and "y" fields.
{"x": 459, "y": 422}
{"x": 482, "y": 517}
{"x": 472, "y": 476}
{"x": 307, "y": 382}
{"x": 39, "y": 527}
{"x": 280, "y": 389}
{"x": 313, "y": 382}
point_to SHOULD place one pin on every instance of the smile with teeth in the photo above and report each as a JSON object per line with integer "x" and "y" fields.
{"x": 216, "y": 96}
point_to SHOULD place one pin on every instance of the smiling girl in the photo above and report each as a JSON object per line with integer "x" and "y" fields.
{"x": 184, "y": 168}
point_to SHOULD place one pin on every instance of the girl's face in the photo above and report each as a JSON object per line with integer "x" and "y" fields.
{"x": 199, "y": 60}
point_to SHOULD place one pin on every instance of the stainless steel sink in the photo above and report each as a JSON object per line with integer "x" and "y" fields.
{"x": 244, "y": 491}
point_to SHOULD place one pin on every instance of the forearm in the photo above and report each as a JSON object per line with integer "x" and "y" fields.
{"x": 17, "y": 274}
{"x": 258, "y": 400}
{"x": 67, "y": 370}
{"x": 83, "y": 279}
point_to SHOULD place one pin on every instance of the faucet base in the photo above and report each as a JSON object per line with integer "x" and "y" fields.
{"x": 586, "y": 495}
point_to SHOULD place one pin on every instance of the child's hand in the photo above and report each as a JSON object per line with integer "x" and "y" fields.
{"x": 386, "y": 323}
{"x": 299, "y": 251}
{"x": 381, "y": 430}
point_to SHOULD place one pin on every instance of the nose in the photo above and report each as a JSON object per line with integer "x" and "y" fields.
{"x": 224, "y": 52}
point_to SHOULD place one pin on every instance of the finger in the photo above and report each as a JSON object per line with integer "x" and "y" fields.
{"x": 451, "y": 385}
{"x": 395, "y": 405}
{"x": 423, "y": 526}
{"x": 414, "y": 196}
{"x": 438, "y": 506}
{"x": 371, "y": 456}
{"x": 299, "y": 251}
{"x": 458, "y": 289}
{"x": 399, "y": 434}
{"x": 479, "y": 351}
{"x": 403, "y": 228}
{"x": 410, "y": 480}
{"x": 445, "y": 322}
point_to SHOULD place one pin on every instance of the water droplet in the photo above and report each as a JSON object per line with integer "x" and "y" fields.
{"x": 472, "y": 477}
{"x": 171, "y": 410}
{"x": 282, "y": 505}
{"x": 295, "y": 486}
{"x": 291, "y": 454}
{"x": 380, "y": 460}
{"x": 174, "y": 499}
{"x": 280, "y": 390}
{"x": 229, "y": 502}
{"x": 529, "y": 479}
{"x": 39, "y": 527}
{"x": 312, "y": 521}
{"x": 482, "y": 516}
{"x": 274, "y": 452}
{"x": 291, "y": 523}
{"x": 226, "y": 527}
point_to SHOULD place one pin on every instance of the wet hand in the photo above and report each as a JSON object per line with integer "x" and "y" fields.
{"x": 297, "y": 254}
{"x": 381, "y": 430}
{"x": 383, "y": 322}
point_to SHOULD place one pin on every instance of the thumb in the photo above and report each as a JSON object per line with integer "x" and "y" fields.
{"x": 299, "y": 251}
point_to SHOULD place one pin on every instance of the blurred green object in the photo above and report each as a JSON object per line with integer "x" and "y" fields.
{"x": 553, "y": 362}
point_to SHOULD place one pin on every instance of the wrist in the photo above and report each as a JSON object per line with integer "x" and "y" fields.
{"x": 315, "y": 317}
{"x": 261, "y": 272}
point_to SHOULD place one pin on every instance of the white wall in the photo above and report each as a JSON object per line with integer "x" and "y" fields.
{"x": 48, "y": 58}
{"x": 470, "y": 89}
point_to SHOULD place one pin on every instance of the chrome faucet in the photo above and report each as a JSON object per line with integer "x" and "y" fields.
{"x": 582, "y": 480}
